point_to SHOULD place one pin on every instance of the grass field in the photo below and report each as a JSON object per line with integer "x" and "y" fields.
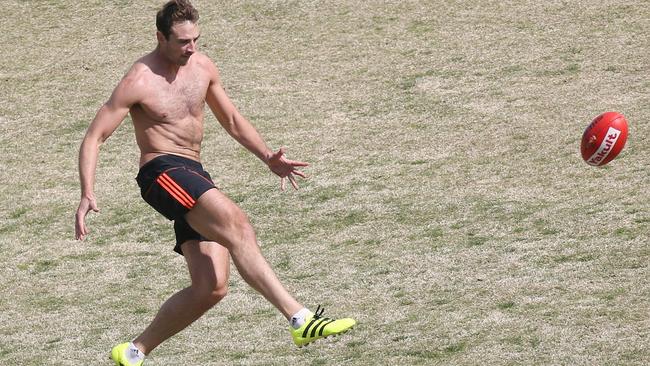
{"x": 448, "y": 208}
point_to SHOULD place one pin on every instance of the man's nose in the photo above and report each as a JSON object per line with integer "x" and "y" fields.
{"x": 192, "y": 47}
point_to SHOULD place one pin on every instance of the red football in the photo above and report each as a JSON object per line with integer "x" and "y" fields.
{"x": 604, "y": 138}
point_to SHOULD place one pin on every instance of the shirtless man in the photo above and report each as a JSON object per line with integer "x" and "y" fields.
{"x": 165, "y": 92}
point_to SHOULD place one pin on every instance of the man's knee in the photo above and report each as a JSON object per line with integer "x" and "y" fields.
{"x": 209, "y": 296}
{"x": 238, "y": 219}
{"x": 217, "y": 294}
{"x": 238, "y": 228}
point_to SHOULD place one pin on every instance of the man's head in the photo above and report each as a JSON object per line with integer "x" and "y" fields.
{"x": 177, "y": 30}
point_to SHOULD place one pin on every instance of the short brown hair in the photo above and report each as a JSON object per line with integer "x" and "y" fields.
{"x": 175, "y": 11}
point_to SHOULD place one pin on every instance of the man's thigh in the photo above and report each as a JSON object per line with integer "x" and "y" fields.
{"x": 218, "y": 218}
{"x": 208, "y": 263}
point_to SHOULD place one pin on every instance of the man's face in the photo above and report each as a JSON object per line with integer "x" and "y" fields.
{"x": 181, "y": 43}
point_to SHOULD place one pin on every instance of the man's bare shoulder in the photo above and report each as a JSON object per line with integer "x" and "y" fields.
{"x": 206, "y": 64}
{"x": 140, "y": 71}
{"x": 135, "y": 84}
{"x": 203, "y": 59}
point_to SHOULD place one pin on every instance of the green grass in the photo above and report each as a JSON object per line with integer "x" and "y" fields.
{"x": 447, "y": 208}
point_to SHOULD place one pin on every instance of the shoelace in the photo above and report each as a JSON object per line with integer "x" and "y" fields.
{"x": 319, "y": 312}
{"x": 318, "y": 322}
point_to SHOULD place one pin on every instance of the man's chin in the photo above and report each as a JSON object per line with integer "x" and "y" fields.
{"x": 184, "y": 60}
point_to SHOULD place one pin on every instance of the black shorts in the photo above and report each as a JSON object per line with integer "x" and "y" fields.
{"x": 171, "y": 184}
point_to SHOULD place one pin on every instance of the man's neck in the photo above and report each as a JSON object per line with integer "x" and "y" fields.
{"x": 170, "y": 69}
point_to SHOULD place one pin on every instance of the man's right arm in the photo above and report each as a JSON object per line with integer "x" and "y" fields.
{"x": 106, "y": 121}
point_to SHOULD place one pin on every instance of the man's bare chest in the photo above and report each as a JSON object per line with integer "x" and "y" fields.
{"x": 177, "y": 100}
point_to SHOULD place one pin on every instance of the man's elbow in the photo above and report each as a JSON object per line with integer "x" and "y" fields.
{"x": 230, "y": 124}
{"x": 94, "y": 139}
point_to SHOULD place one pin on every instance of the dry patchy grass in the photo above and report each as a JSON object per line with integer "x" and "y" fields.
{"x": 448, "y": 209}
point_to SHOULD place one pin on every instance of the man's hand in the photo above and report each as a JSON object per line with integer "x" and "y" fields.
{"x": 285, "y": 168}
{"x": 86, "y": 204}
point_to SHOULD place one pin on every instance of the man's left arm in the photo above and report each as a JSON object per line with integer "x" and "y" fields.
{"x": 245, "y": 133}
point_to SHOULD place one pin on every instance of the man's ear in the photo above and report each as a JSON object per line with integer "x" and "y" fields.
{"x": 161, "y": 37}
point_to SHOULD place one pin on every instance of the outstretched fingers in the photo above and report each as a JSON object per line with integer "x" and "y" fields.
{"x": 286, "y": 169}
{"x": 292, "y": 179}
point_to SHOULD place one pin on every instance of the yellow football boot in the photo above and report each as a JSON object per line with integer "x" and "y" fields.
{"x": 316, "y": 326}
{"x": 118, "y": 354}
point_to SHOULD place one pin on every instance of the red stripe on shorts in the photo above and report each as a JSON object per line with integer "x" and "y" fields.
{"x": 176, "y": 191}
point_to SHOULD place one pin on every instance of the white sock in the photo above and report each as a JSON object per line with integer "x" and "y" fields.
{"x": 133, "y": 354}
{"x": 298, "y": 319}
